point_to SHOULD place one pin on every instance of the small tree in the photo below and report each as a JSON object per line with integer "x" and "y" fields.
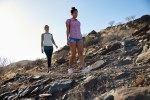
{"x": 111, "y": 23}
{"x": 4, "y": 61}
{"x": 132, "y": 17}
{"x": 128, "y": 19}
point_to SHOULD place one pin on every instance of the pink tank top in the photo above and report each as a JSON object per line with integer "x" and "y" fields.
{"x": 75, "y": 31}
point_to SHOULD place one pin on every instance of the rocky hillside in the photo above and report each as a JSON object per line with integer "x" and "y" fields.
{"x": 119, "y": 60}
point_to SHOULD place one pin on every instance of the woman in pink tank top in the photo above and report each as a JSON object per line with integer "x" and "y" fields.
{"x": 74, "y": 40}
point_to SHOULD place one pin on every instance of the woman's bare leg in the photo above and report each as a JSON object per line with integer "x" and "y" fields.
{"x": 73, "y": 53}
{"x": 80, "y": 53}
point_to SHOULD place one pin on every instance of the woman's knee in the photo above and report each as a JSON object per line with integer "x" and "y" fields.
{"x": 80, "y": 54}
{"x": 72, "y": 55}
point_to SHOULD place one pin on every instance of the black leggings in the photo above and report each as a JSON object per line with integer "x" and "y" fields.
{"x": 49, "y": 56}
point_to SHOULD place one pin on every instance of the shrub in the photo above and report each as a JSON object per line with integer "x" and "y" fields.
{"x": 111, "y": 37}
{"x": 4, "y": 61}
{"x": 90, "y": 41}
{"x": 111, "y": 23}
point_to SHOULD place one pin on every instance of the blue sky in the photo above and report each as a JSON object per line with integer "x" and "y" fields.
{"x": 22, "y": 21}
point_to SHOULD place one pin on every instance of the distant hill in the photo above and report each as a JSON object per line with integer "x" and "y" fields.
{"x": 23, "y": 62}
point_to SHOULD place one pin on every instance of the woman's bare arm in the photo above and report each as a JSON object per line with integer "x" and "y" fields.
{"x": 42, "y": 38}
{"x": 67, "y": 32}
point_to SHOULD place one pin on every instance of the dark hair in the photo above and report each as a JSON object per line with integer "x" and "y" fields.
{"x": 73, "y": 9}
{"x": 46, "y": 26}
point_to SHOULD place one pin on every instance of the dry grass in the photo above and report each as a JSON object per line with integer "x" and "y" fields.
{"x": 90, "y": 41}
{"x": 111, "y": 37}
{"x": 31, "y": 71}
{"x": 117, "y": 35}
{"x": 15, "y": 85}
{"x": 7, "y": 76}
{"x": 11, "y": 70}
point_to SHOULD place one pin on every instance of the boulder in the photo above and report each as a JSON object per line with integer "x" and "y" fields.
{"x": 34, "y": 78}
{"x": 110, "y": 48}
{"x": 61, "y": 60}
{"x": 148, "y": 32}
{"x": 133, "y": 93}
{"x": 45, "y": 95}
{"x": 77, "y": 95}
{"x": 35, "y": 90}
{"x": 124, "y": 62}
{"x": 139, "y": 80}
{"x": 144, "y": 57}
{"x": 109, "y": 97}
{"x": 66, "y": 47}
{"x": 24, "y": 91}
{"x": 122, "y": 75}
{"x": 141, "y": 31}
{"x": 145, "y": 48}
{"x": 62, "y": 85}
{"x": 4, "y": 95}
{"x": 15, "y": 78}
{"x": 133, "y": 51}
{"x": 92, "y": 33}
{"x": 46, "y": 88}
{"x": 96, "y": 65}
{"x": 43, "y": 81}
{"x": 9, "y": 80}
{"x": 130, "y": 42}
{"x": 12, "y": 97}
{"x": 145, "y": 19}
{"x": 89, "y": 82}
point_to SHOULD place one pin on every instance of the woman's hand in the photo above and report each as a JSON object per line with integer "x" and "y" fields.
{"x": 68, "y": 42}
{"x": 56, "y": 46}
{"x": 42, "y": 51}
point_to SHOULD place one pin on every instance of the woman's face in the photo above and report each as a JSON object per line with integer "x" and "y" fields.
{"x": 75, "y": 14}
{"x": 46, "y": 29}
